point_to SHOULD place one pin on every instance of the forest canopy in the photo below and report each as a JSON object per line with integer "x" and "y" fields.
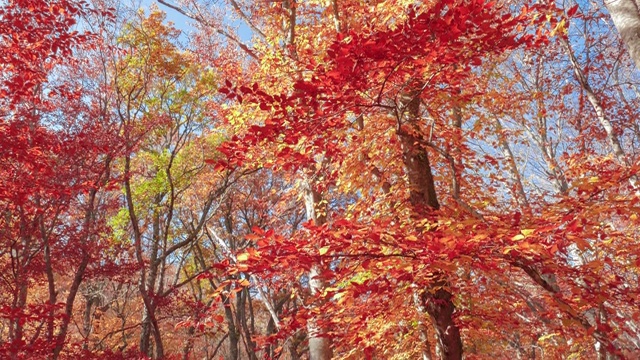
{"x": 319, "y": 179}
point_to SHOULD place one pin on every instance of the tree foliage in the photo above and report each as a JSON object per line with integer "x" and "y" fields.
{"x": 328, "y": 179}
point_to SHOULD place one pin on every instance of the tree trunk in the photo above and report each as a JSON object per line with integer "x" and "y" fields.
{"x": 518, "y": 188}
{"x": 143, "y": 287}
{"x": 73, "y": 291}
{"x": 440, "y": 308}
{"x": 78, "y": 277}
{"x": 606, "y": 124}
{"x": 416, "y": 158}
{"x": 241, "y": 315}
{"x": 319, "y": 345}
{"x": 86, "y": 320}
{"x": 626, "y": 18}
{"x": 234, "y": 335}
{"x": 422, "y": 328}
{"x": 188, "y": 346}
{"x": 436, "y": 299}
{"x": 145, "y": 333}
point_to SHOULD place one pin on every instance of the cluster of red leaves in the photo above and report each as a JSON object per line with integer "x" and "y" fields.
{"x": 426, "y": 49}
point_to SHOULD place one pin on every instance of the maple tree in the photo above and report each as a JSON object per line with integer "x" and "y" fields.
{"x": 332, "y": 179}
{"x": 55, "y": 178}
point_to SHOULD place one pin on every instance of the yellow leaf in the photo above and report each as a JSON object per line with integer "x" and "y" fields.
{"x": 518, "y": 237}
{"x": 548, "y": 336}
{"x": 527, "y": 232}
{"x": 479, "y": 237}
{"x": 242, "y": 267}
{"x": 560, "y": 28}
{"x": 243, "y": 257}
{"x": 324, "y": 250}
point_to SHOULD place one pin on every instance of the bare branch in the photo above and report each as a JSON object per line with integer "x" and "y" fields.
{"x": 217, "y": 29}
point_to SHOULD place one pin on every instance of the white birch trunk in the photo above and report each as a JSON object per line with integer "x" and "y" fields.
{"x": 319, "y": 345}
{"x": 626, "y": 18}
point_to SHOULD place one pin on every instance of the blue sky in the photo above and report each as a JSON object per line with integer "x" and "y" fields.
{"x": 180, "y": 21}
{"x": 185, "y": 24}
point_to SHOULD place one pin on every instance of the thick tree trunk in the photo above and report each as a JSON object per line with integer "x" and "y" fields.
{"x": 319, "y": 345}
{"x": 626, "y": 18}
{"x": 436, "y": 300}
{"x": 241, "y": 316}
{"x": 416, "y": 158}
{"x": 148, "y": 318}
{"x": 234, "y": 335}
{"x": 440, "y": 308}
{"x": 145, "y": 333}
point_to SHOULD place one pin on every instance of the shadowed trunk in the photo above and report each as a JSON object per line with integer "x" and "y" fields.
{"x": 436, "y": 300}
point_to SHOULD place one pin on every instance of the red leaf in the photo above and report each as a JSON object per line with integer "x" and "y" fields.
{"x": 183, "y": 324}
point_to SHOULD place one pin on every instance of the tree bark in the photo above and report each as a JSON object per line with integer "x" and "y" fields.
{"x": 234, "y": 335}
{"x": 422, "y": 328}
{"x": 436, "y": 299}
{"x": 606, "y": 124}
{"x": 518, "y": 187}
{"x": 415, "y": 157}
{"x": 145, "y": 333}
{"x": 626, "y": 18}
{"x": 319, "y": 345}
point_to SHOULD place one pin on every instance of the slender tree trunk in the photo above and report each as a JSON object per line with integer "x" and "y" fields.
{"x": 68, "y": 311}
{"x": 241, "y": 313}
{"x": 148, "y": 313}
{"x": 86, "y": 320}
{"x": 19, "y": 302}
{"x": 89, "y": 220}
{"x": 606, "y": 124}
{"x": 514, "y": 173}
{"x": 53, "y": 294}
{"x": 142, "y": 285}
{"x": 542, "y": 140}
{"x": 145, "y": 333}
{"x": 188, "y": 346}
{"x": 336, "y": 16}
